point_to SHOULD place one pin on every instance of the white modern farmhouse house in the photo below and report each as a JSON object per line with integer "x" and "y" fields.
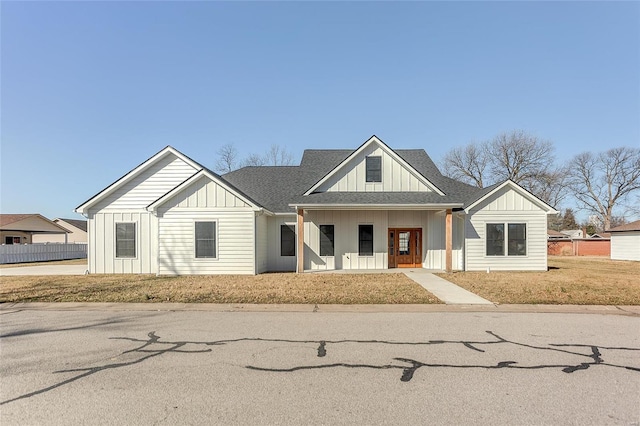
{"x": 368, "y": 208}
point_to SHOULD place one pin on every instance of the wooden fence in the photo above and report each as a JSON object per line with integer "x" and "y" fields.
{"x": 23, "y": 253}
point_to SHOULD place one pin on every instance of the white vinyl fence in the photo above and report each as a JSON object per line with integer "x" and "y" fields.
{"x": 23, "y": 253}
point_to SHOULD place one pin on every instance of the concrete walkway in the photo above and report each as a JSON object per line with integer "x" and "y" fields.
{"x": 444, "y": 290}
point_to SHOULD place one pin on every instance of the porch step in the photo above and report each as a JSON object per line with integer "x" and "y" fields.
{"x": 444, "y": 290}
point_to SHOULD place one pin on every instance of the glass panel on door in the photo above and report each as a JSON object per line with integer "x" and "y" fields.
{"x": 403, "y": 243}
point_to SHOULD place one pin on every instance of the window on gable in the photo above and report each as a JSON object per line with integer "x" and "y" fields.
{"x": 326, "y": 240}
{"x": 365, "y": 240}
{"x": 515, "y": 239}
{"x": 205, "y": 239}
{"x": 374, "y": 169}
{"x": 125, "y": 240}
{"x": 287, "y": 240}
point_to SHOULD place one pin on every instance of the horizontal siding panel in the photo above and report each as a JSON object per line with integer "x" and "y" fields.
{"x": 235, "y": 242}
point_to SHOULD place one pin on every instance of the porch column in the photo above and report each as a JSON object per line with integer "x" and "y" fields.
{"x": 300, "y": 251}
{"x": 449, "y": 241}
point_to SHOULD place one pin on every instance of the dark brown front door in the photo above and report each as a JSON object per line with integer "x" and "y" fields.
{"x": 405, "y": 248}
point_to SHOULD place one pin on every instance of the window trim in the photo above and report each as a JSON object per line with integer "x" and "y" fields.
{"x": 215, "y": 243}
{"x": 135, "y": 239}
{"x": 366, "y": 168}
{"x": 333, "y": 240}
{"x": 505, "y": 238}
{"x": 295, "y": 234}
{"x": 373, "y": 248}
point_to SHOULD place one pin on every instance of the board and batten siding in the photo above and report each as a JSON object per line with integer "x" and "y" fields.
{"x": 102, "y": 248}
{"x": 276, "y": 262}
{"x": 395, "y": 176}
{"x": 262, "y": 244}
{"x": 625, "y": 245}
{"x": 207, "y": 201}
{"x": 506, "y": 206}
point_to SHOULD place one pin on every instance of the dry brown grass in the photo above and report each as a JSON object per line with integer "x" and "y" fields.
{"x": 53, "y": 262}
{"x": 265, "y": 288}
{"x": 570, "y": 280}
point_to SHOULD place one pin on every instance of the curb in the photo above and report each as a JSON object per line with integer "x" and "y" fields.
{"x": 314, "y": 308}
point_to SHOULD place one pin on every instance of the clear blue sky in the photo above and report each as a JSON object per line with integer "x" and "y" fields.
{"x": 91, "y": 89}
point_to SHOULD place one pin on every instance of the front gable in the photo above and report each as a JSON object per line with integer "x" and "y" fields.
{"x": 396, "y": 175}
{"x": 144, "y": 184}
{"x": 509, "y": 196}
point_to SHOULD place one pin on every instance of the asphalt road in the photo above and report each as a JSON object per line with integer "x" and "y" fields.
{"x": 135, "y": 367}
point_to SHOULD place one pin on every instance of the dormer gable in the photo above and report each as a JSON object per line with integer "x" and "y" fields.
{"x": 374, "y": 167}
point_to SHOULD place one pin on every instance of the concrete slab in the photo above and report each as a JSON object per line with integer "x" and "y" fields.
{"x": 44, "y": 270}
{"x": 444, "y": 290}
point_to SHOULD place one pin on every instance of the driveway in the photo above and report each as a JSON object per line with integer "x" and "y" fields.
{"x": 142, "y": 367}
{"x": 44, "y": 270}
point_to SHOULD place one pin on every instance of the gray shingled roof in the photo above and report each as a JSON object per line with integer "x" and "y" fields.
{"x": 274, "y": 188}
{"x": 80, "y": 224}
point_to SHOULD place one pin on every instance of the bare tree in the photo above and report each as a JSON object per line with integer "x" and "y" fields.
{"x": 467, "y": 164}
{"x": 551, "y": 186}
{"x": 519, "y": 156}
{"x": 254, "y": 160}
{"x": 516, "y": 155}
{"x": 227, "y": 158}
{"x": 278, "y": 156}
{"x": 606, "y": 181}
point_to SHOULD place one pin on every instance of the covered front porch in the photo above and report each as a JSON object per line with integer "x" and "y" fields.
{"x": 379, "y": 239}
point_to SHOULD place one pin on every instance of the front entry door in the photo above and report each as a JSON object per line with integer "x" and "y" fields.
{"x": 405, "y": 248}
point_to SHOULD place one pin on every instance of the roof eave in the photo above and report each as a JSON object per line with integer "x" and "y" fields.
{"x": 356, "y": 206}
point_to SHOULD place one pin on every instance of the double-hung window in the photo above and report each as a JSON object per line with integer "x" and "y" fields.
{"x": 326, "y": 240}
{"x": 374, "y": 169}
{"x": 513, "y": 242}
{"x": 365, "y": 240}
{"x": 205, "y": 240}
{"x": 125, "y": 240}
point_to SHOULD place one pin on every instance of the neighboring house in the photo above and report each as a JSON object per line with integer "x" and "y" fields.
{"x": 606, "y": 235}
{"x": 555, "y": 235}
{"x": 77, "y": 232}
{"x": 22, "y": 228}
{"x": 574, "y": 233}
{"x": 625, "y": 241}
{"x": 369, "y": 208}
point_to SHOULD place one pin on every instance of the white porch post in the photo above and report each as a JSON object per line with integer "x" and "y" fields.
{"x": 300, "y": 251}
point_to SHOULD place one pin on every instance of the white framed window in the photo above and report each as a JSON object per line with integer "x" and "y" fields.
{"x": 508, "y": 239}
{"x": 126, "y": 240}
{"x": 205, "y": 239}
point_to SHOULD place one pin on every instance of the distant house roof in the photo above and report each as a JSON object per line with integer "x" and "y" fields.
{"x": 601, "y": 235}
{"x": 632, "y": 226}
{"x": 555, "y": 234}
{"x": 6, "y": 219}
{"x": 573, "y": 233}
{"x": 31, "y": 222}
{"x": 80, "y": 224}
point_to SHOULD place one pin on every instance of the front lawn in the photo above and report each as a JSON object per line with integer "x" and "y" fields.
{"x": 570, "y": 280}
{"x": 265, "y": 288}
